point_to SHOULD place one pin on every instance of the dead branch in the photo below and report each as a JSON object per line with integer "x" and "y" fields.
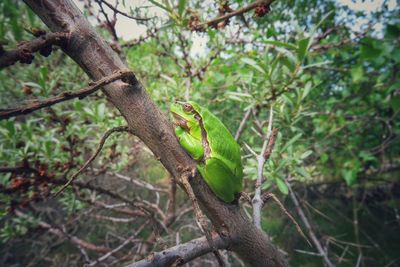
{"x": 271, "y": 143}
{"x": 307, "y": 224}
{"x": 140, "y": 183}
{"x": 60, "y": 233}
{"x": 7, "y": 113}
{"x": 182, "y": 253}
{"x": 287, "y": 213}
{"x": 115, "y": 250}
{"x": 25, "y": 50}
{"x": 150, "y": 34}
{"x": 100, "y": 146}
{"x": 238, "y": 12}
{"x": 242, "y": 123}
{"x": 122, "y": 13}
{"x": 117, "y": 208}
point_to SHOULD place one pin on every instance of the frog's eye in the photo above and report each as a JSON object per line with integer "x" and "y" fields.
{"x": 187, "y": 107}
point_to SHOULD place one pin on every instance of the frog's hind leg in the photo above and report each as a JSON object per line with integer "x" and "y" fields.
{"x": 219, "y": 178}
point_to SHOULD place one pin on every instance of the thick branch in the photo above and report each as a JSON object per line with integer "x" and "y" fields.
{"x": 24, "y": 51}
{"x": 182, "y": 253}
{"x": 8, "y": 113}
{"x": 144, "y": 118}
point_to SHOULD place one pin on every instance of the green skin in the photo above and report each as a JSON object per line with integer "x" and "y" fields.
{"x": 210, "y": 143}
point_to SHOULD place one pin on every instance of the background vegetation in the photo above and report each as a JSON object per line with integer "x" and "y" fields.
{"x": 329, "y": 73}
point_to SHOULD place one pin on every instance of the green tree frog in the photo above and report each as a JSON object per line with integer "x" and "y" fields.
{"x": 210, "y": 143}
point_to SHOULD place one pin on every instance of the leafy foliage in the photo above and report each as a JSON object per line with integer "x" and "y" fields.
{"x": 335, "y": 97}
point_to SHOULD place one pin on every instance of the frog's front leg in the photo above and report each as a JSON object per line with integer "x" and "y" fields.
{"x": 192, "y": 145}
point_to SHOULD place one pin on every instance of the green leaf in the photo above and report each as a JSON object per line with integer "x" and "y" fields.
{"x": 302, "y": 172}
{"x": 49, "y": 148}
{"x": 253, "y": 64}
{"x": 267, "y": 184}
{"x": 395, "y": 102}
{"x": 357, "y": 73}
{"x": 282, "y": 186}
{"x": 291, "y": 141}
{"x": 369, "y": 50}
{"x": 280, "y": 44}
{"x": 392, "y": 31}
{"x": 181, "y": 7}
{"x": 10, "y": 126}
{"x": 349, "y": 176}
{"x": 306, "y": 154}
{"x": 169, "y": 79}
{"x": 271, "y": 32}
{"x": 306, "y": 90}
{"x": 160, "y": 6}
{"x": 324, "y": 157}
{"x": 302, "y": 47}
{"x": 287, "y": 63}
{"x": 4, "y": 179}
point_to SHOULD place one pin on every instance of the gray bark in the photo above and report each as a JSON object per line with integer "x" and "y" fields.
{"x": 144, "y": 118}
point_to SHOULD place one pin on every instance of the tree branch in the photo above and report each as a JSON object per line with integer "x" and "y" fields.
{"x": 58, "y": 232}
{"x": 261, "y": 159}
{"x": 237, "y": 12}
{"x": 242, "y": 123}
{"x": 307, "y": 224}
{"x": 25, "y": 49}
{"x": 8, "y": 113}
{"x": 182, "y": 253}
{"x": 146, "y": 121}
{"x": 122, "y": 13}
{"x": 90, "y": 160}
{"x": 115, "y": 250}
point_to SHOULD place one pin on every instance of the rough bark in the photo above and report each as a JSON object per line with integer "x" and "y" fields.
{"x": 144, "y": 118}
{"x": 180, "y": 254}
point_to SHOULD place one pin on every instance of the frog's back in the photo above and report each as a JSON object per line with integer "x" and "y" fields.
{"x": 222, "y": 143}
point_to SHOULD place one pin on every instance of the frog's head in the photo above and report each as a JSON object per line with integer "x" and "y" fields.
{"x": 184, "y": 114}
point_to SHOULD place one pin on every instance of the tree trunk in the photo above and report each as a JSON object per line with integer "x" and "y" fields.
{"x": 97, "y": 59}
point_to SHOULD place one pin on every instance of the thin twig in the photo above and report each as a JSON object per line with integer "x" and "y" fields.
{"x": 7, "y": 113}
{"x": 115, "y": 250}
{"x": 102, "y": 141}
{"x": 110, "y": 23}
{"x": 307, "y": 224}
{"x": 237, "y": 12}
{"x": 62, "y": 234}
{"x": 123, "y": 13}
{"x": 242, "y": 123}
{"x": 284, "y": 210}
